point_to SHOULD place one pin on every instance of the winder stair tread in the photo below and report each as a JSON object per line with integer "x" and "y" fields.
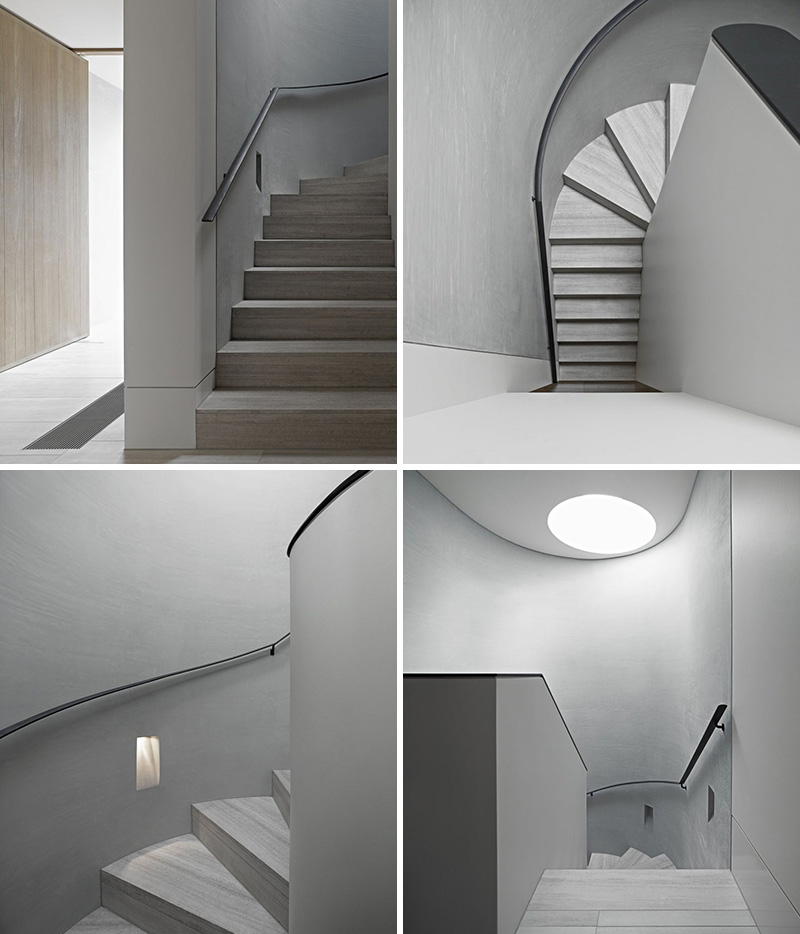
{"x": 282, "y": 791}
{"x": 638, "y": 134}
{"x": 103, "y": 921}
{"x": 376, "y": 166}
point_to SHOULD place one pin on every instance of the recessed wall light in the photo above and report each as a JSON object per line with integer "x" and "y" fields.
{"x": 601, "y": 524}
{"x": 148, "y": 762}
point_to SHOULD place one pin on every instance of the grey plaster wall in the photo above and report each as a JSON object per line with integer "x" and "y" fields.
{"x": 109, "y": 577}
{"x": 308, "y": 134}
{"x": 479, "y": 78}
{"x": 636, "y": 650}
{"x": 766, "y": 694}
{"x": 344, "y": 714}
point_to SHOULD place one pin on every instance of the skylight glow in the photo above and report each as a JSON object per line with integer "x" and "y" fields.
{"x": 601, "y": 524}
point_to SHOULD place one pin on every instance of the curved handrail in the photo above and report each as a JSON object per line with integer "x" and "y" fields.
{"x": 713, "y": 724}
{"x": 135, "y": 684}
{"x": 343, "y": 486}
{"x": 230, "y": 176}
{"x": 540, "y": 154}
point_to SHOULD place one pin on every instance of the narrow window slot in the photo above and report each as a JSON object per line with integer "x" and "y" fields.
{"x": 711, "y": 802}
{"x": 648, "y": 817}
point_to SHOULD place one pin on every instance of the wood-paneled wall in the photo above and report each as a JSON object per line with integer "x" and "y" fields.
{"x": 44, "y": 193}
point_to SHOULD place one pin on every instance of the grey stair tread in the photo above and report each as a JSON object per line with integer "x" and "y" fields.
{"x": 597, "y": 353}
{"x": 324, "y": 253}
{"x": 598, "y": 172}
{"x": 256, "y": 824}
{"x": 275, "y": 303}
{"x": 284, "y": 776}
{"x": 377, "y": 166}
{"x": 603, "y": 861}
{"x": 304, "y": 347}
{"x": 346, "y": 184}
{"x": 320, "y": 320}
{"x": 679, "y": 96}
{"x": 320, "y": 282}
{"x": 665, "y": 918}
{"x": 309, "y": 270}
{"x": 181, "y": 878}
{"x": 596, "y": 257}
{"x": 579, "y": 219}
{"x": 596, "y": 284}
{"x": 605, "y": 309}
{"x": 632, "y": 858}
{"x": 300, "y": 400}
{"x": 595, "y": 331}
{"x": 638, "y": 134}
{"x": 103, "y": 921}
{"x": 662, "y": 861}
{"x": 597, "y": 372}
{"x": 604, "y": 386}
{"x": 327, "y": 226}
{"x": 282, "y": 792}
{"x": 329, "y": 204}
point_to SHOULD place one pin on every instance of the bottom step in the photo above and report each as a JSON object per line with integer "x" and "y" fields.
{"x": 360, "y": 422}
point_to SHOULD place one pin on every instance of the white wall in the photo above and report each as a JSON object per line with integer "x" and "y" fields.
{"x": 720, "y": 281}
{"x": 170, "y": 178}
{"x": 766, "y": 696}
{"x": 344, "y": 714}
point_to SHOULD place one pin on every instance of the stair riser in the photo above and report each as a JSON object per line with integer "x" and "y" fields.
{"x": 328, "y": 204}
{"x": 314, "y": 324}
{"x": 260, "y": 880}
{"x": 306, "y": 371}
{"x": 311, "y": 227}
{"x": 600, "y": 309}
{"x": 594, "y": 258}
{"x": 324, "y": 253}
{"x": 593, "y": 285}
{"x": 601, "y": 331}
{"x": 307, "y": 433}
{"x": 282, "y": 798}
{"x": 597, "y": 353}
{"x": 151, "y": 914}
{"x": 597, "y": 372}
{"x": 369, "y": 186}
{"x": 379, "y": 166}
{"x": 339, "y": 285}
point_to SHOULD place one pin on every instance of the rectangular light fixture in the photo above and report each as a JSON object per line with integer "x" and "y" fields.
{"x": 148, "y": 762}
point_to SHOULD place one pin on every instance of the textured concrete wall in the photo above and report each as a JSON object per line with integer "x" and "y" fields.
{"x": 479, "y": 78}
{"x": 111, "y": 577}
{"x": 635, "y": 649}
{"x": 308, "y": 134}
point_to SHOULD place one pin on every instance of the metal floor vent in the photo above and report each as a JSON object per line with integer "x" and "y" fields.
{"x": 78, "y": 430}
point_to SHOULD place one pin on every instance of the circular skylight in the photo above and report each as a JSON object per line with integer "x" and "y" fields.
{"x": 602, "y": 525}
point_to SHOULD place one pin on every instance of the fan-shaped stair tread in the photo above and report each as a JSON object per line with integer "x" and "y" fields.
{"x": 598, "y": 172}
{"x": 603, "y": 861}
{"x": 597, "y": 309}
{"x": 638, "y": 134}
{"x": 104, "y": 921}
{"x": 179, "y": 886}
{"x": 632, "y": 859}
{"x": 679, "y": 96}
{"x": 282, "y": 791}
{"x": 662, "y": 861}
{"x": 596, "y": 258}
{"x": 579, "y": 219}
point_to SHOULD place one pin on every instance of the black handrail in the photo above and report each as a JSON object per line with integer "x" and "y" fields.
{"x": 343, "y": 486}
{"x": 540, "y": 154}
{"x": 135, "y": 684}
{"x": 713, "y": 724}
{"x": 230, "y": 176}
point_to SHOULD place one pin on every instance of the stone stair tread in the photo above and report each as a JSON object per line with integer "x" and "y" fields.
{"x": 632, "y": 858}
{"x": 603, "y": 861}
{"x": 267, "y": 303}
{"x": 256, "y": 824}
{"x": 377, "y": 166}
{"x": 299, "y": 400}
{"x": 103, "y": 921}
{"x": 638, "y": 134}
{"x": 326, "y": 269}
{"x": 182, "y": 880}
{"x": 316, "y": 347}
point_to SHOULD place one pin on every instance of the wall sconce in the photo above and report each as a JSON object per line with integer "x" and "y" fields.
{"x": 148, "y": 762}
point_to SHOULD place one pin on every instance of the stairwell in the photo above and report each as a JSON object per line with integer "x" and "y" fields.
{"x": 311, "y": 365}
{"x": 229, "y": 876}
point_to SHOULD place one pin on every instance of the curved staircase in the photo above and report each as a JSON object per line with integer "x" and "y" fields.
{"x": 596, "y": 237}
{"x": 630, "y": 859}
{"x": 229, "y": 876}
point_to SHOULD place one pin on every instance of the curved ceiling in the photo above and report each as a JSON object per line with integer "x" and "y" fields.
{"x": 515, "y": 504}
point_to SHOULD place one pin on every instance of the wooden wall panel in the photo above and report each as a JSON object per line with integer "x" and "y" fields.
{"x": 44, "y": 193}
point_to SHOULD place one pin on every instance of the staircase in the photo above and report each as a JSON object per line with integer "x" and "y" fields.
{"x": 630, "y": 859}
{"x": 311, "y": 365}
{"x": 230, "y": 876}
{"x": 596, "y": 237}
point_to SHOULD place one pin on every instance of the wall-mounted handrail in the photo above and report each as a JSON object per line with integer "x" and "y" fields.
{"x": 136, "y": 684}
{"x": 540, "y": 154}
{"x": 713, "y": 724}
{"x": 230, "y": 176}
{"x": 343, "y": 486}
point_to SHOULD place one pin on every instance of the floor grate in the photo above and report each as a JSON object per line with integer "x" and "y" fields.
{"x": 80, "y": 428}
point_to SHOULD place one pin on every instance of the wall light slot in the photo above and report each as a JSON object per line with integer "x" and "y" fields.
{"x": 648, "y": 817}
{"x": 258, "y": 171}
{"x": 711, "y": 802}
{"x": 148, "y": 762}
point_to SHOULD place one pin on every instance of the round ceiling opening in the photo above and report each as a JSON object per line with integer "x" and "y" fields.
{"x": 602, "y": 525}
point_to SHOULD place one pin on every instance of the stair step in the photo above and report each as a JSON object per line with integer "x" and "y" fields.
{"x": 660, "y": 862}
{"x": 103, "y": 921}
{"x": 329, "y": 204}
{"x": 357, "y": 252}
{"x": 597, "y": 353}
{"x": 327, "y": 227}
{"x": 307, "y": 364}
{"x": 282, "y": 792}
{"x": 632, "y": 859}
{"x": 600, "y": 309}
{"x": 378, "y": 166}
{"x": 596, "y": 257}
{"x": 638, "y": 134}
{"x": 679, "y": 96}
{"x": 603, "y": 861}
{"x": 595, "y": 331}
{"x": 310, "y": 320}
{"x": 591, "y": 285}
{"x": 321, "y": 282}
{"x": 357, "y": 422}
{"x": 597, "y": 372}
{"x": 346, "y": 184}
{"x": 179, "y": 886}
{"x": 598, "y": 172}
{"x": 251, "y": 839}
{"x": 578, "y": 219}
